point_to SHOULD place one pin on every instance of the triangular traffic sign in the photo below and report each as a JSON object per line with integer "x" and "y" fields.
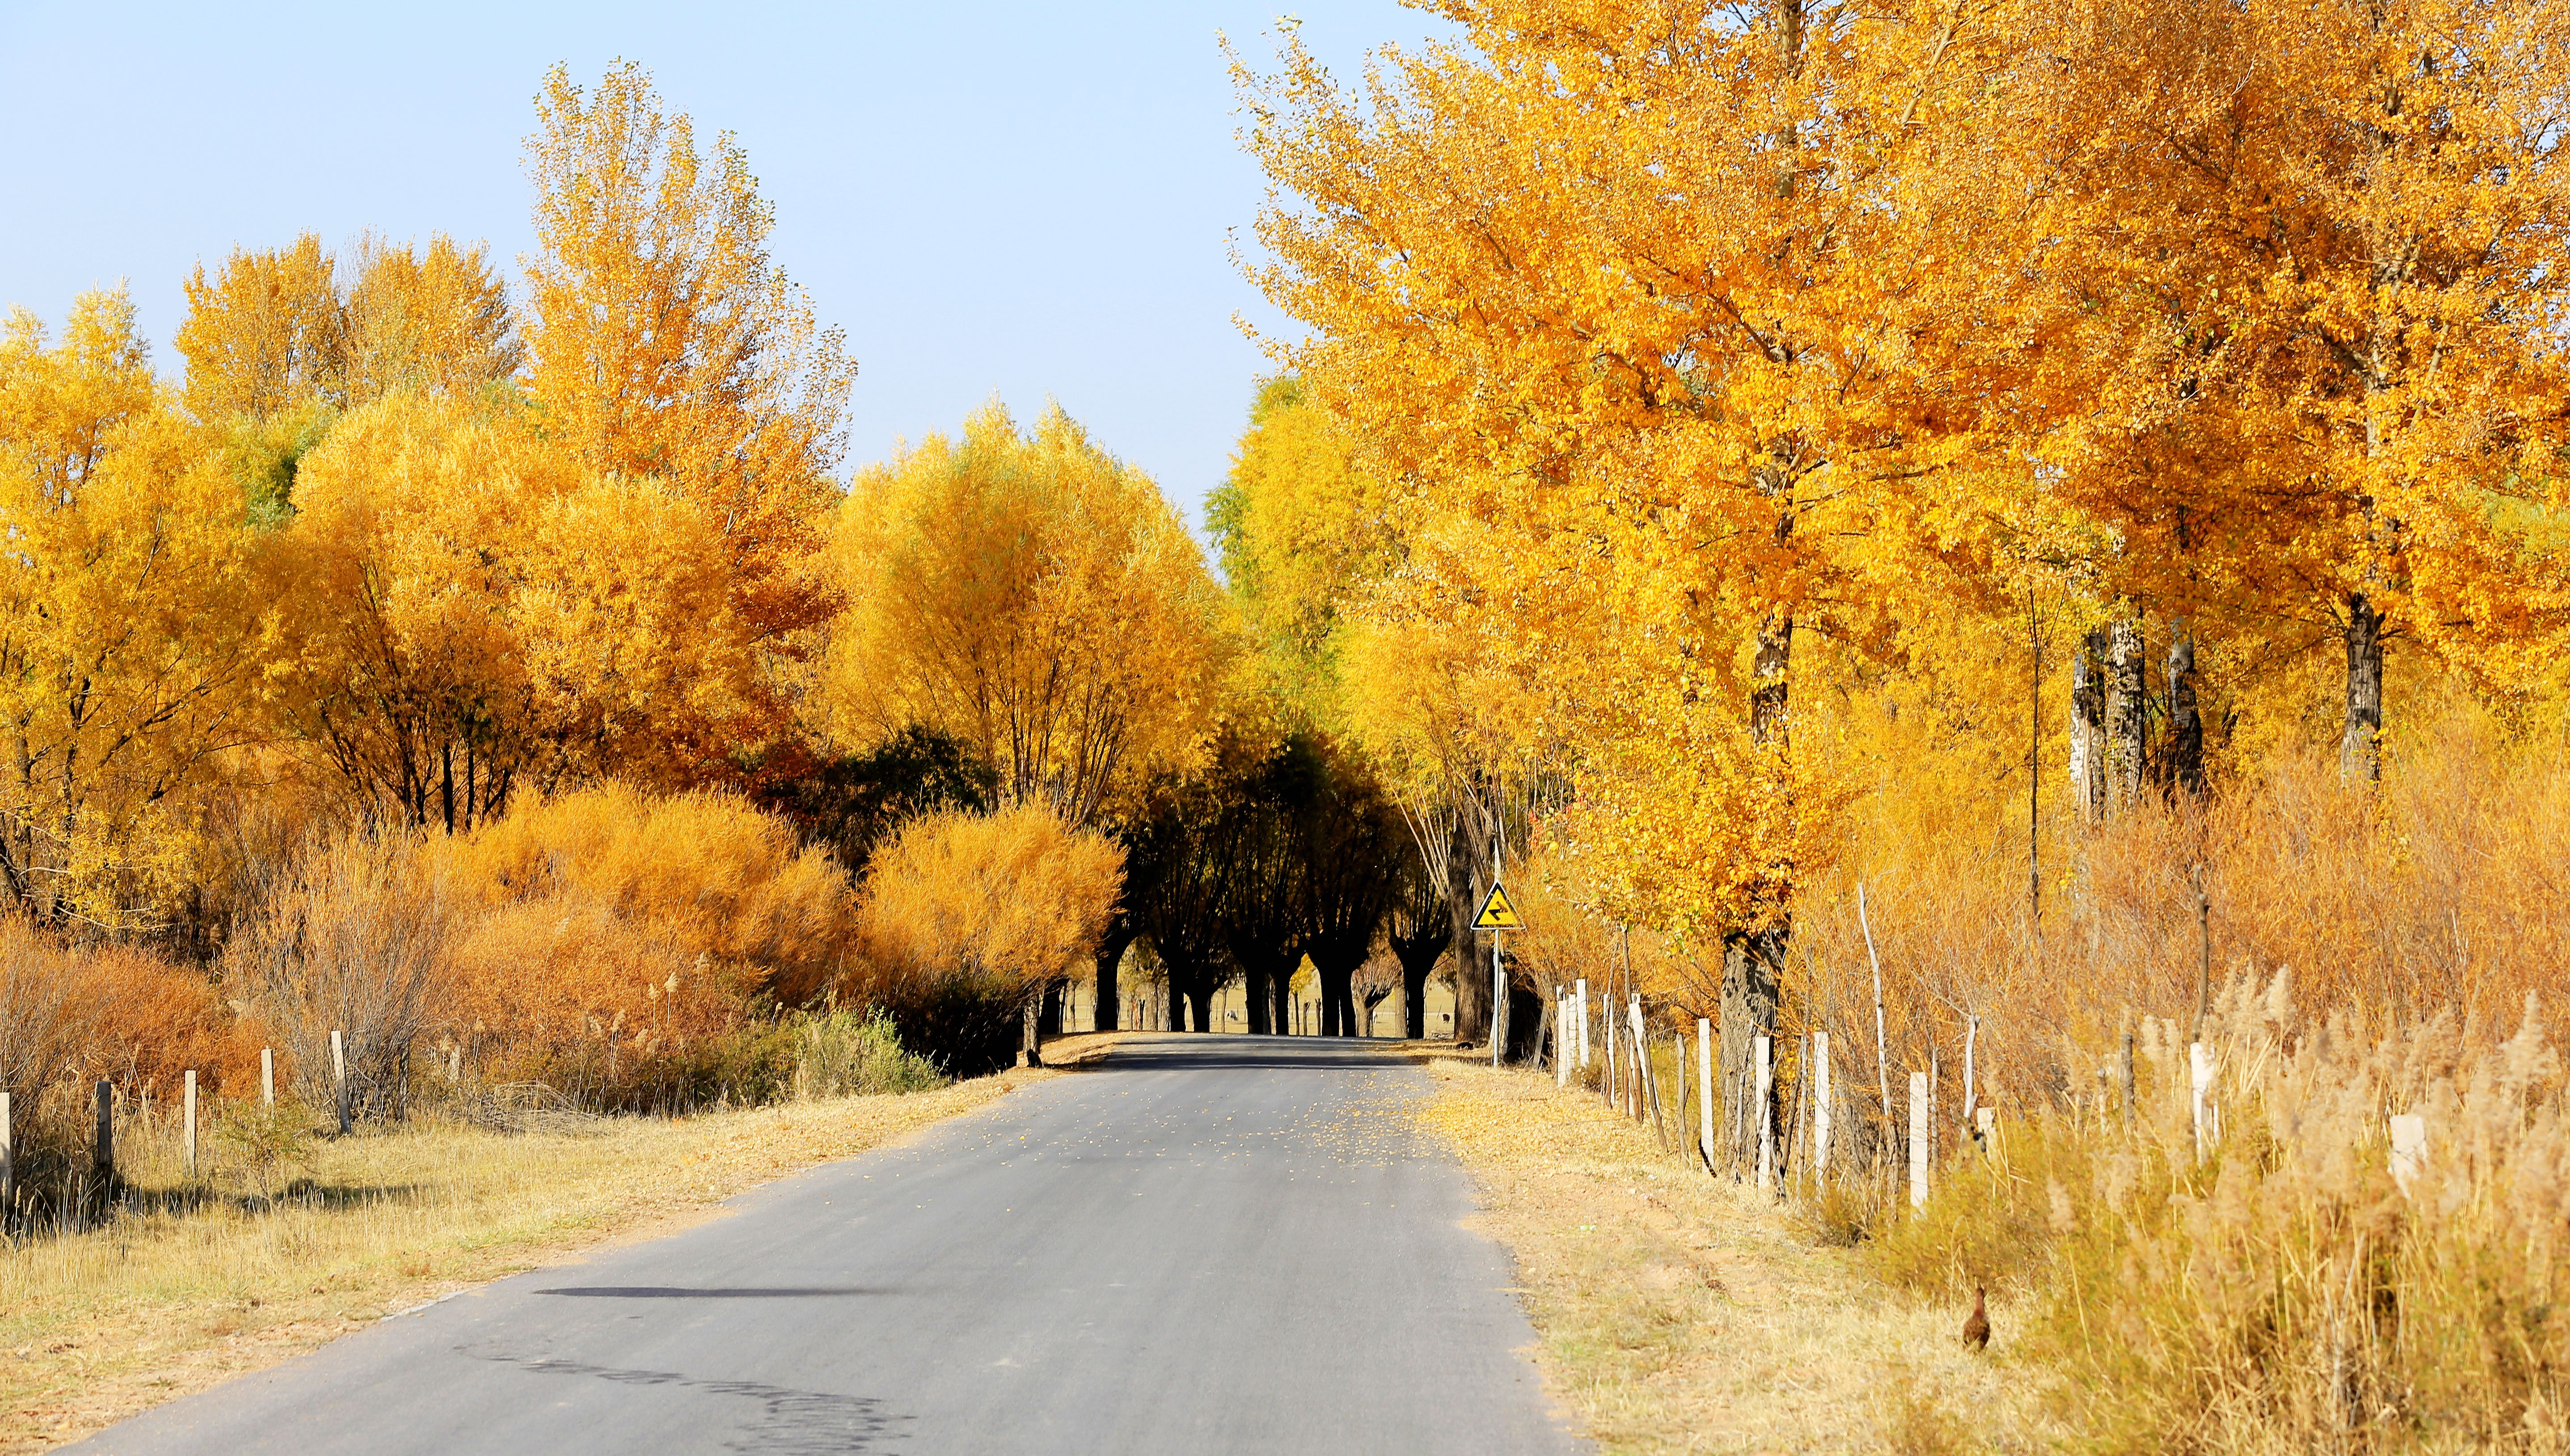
{"x": 1497, "y": 913}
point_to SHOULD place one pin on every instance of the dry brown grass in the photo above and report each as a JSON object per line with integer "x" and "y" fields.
{"x": 1676, "y": 1312}
{"x": 190, "y": 1287}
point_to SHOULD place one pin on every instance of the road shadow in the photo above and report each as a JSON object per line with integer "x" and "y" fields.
{"x": 1180, "y": 1051}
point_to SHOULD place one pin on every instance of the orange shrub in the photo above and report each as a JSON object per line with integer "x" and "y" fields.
{"x": 708, "y": 873}
{"x": 564, "y": 990}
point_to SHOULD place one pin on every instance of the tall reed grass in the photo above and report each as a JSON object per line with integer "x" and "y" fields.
{"x": 2273, "y": 1278}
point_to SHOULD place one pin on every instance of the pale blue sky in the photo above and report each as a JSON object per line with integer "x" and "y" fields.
{"x": 1033, "y": 200}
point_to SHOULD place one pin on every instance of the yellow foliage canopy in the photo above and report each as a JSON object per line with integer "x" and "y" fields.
{"x": 482, "y": 610}
{"x": 134, "y": 614}
{"x": 1034, "y": 598}
{"x": 667, "y": 345}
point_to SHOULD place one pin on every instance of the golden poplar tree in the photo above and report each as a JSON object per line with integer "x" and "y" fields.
{"x": 480, "y": 613}
{"x": 662, "y": 342}
{"x": 134, "y": 620}
{"x": 434, "y": 319}
{"x": 1302, "y": 528}
{"x": 265, "y": 335}
{"x": 1034, "y": 598}
{"x": 1618, "y": 290}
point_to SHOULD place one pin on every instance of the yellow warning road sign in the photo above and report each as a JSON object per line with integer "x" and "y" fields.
{"x": 1497, "y": 913}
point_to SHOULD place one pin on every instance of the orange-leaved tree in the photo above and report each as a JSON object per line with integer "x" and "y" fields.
{"x": 965, "y": 919}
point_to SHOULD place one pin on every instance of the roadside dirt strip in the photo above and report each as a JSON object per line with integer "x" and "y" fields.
{"x": 1682, "y": 1313}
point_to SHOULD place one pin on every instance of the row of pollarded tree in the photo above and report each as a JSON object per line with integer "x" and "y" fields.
{"x": 1283, "y": 848}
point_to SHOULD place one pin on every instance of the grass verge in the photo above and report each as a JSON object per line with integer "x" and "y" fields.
{"x": 193, "y": 1284}
{"x": 1679, "y": 1313}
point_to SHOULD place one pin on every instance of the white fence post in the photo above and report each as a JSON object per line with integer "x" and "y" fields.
{"x": 190, "y": 1143}
{"x": 1918, "y": 1139}
{"x": 1820, "y": 1103}
{"x": 340, "y": 1075}
{"x": 1582, "y": 993}
{"x": 1560, "y": 1039}
{"x": 1612, "y": 1084}
{"x": 1766, "y": 1112}
{"x": 1704, "y": 1084}
{"x": 2199, "y": 1061}
{"x": 1641, "y": 1048}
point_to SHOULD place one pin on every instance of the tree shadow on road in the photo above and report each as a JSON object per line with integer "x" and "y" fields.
{"x": 1180, "y": 1051}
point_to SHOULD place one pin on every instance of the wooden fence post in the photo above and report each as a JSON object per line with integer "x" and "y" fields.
{"x": 2128, "y": 1078}
{"x": 340, "y": 1075}
{"x": 1766, "y": 1046}
{"x": 1704, "y": 1086}
{"x": 102, "y": 1151}
{"x": 8, "y": 1165}
{"x": 190, "y": 1143}
{"x": 267, "y": 1076}
{"x": 1820, "y": 1104}
{"x": 1917, "y": 1138}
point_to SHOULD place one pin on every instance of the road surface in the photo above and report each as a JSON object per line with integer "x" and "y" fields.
{"x": 1207, "y": 1244}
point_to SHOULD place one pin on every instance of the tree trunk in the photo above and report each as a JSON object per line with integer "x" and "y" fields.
{"x": 1752, "y": 975}
{"x": 2088, "y": 728}
{"x": 2360, "y": 754}
{"x": 1472, "y": 991}
{"x": 1202, "y": 1003}
{"x": 1338, "y": 997}
{"x": 1255, "y": 988}
{"x": 2186, "y": 720}
{"x": 1525, "y": 1022}
{"x": 1110, "y": 960}
{"x": 2125, "y": 685}
{"x": 1413, "y": 997}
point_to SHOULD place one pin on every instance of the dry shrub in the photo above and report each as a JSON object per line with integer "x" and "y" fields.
{"x": 707, "y": 873}
{"x": 69, "y": 1017}
{"x": 964, "y": 918}
{"x": 48, "y": 1010}
{"x": 353, "y": 937}
{"x": 627, "y": 948}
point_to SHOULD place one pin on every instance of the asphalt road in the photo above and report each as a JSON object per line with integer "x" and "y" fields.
{"x": 1207, "y": 1244}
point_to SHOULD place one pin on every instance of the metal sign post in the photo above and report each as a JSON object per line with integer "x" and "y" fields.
{"x": 1496, "y": 916}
